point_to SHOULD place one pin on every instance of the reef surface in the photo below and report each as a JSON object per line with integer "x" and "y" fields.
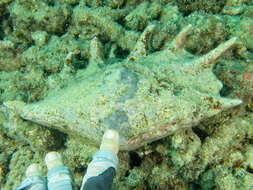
{"x": 48, "y": 48}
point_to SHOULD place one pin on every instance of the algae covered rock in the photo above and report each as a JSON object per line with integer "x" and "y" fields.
{"x": 145, "y": 97}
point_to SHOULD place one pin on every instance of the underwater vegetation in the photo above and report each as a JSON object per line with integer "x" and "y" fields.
{"x": 48, "y": 47}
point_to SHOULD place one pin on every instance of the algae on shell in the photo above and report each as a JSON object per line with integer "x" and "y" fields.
{"x": 145, "y": 97}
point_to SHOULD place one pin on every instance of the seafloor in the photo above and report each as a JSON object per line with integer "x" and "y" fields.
{"x": 37, "y": 37}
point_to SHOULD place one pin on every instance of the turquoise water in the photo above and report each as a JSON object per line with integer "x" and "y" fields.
{"x": 45, "y": 47}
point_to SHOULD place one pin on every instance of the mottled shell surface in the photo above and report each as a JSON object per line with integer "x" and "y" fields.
{"x": 145, "y": 97}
